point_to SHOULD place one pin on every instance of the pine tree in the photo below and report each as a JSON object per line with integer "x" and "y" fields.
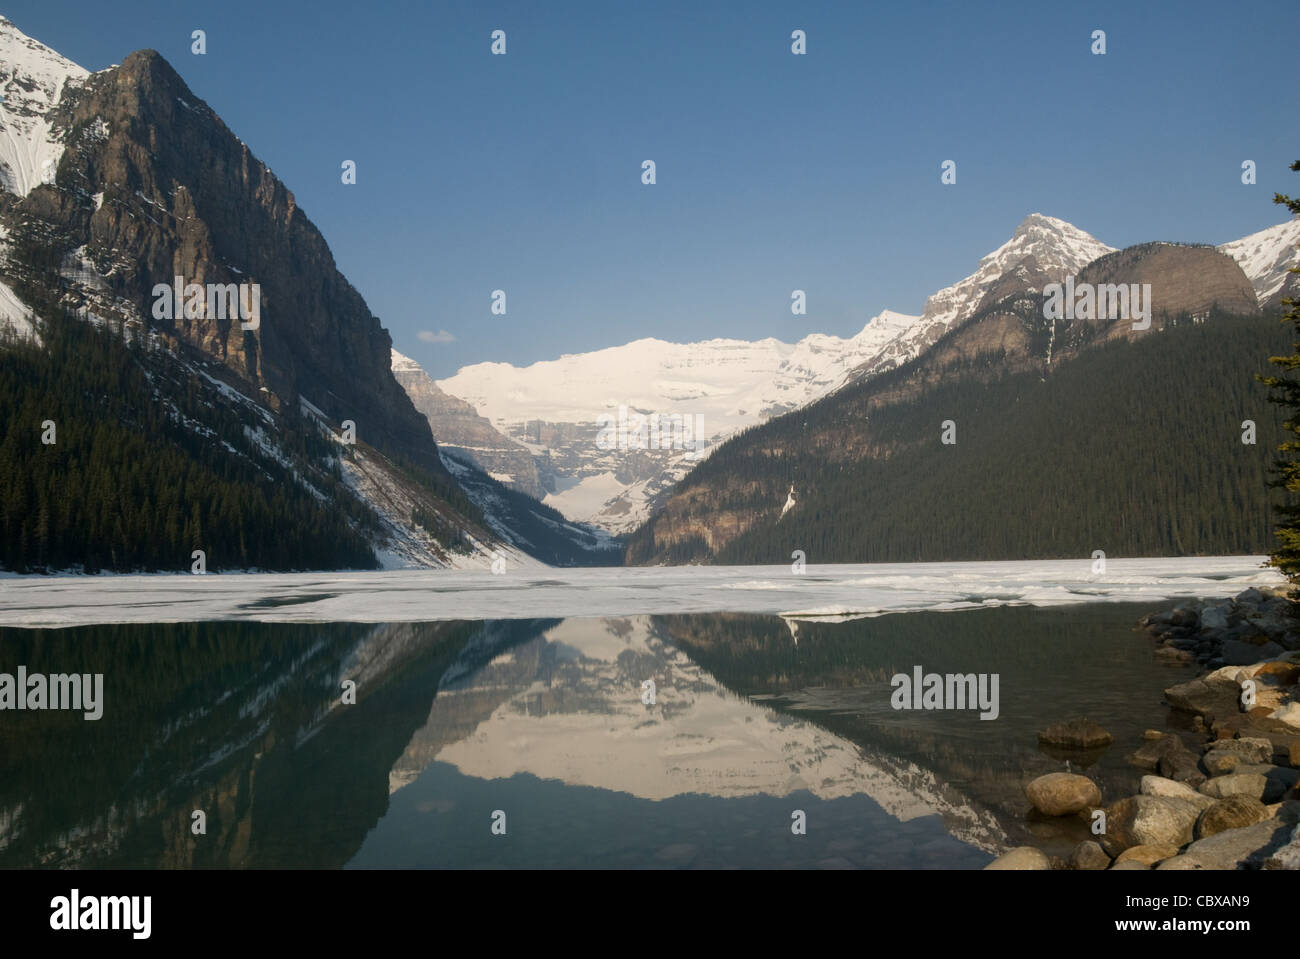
{"x": 1285, "y": 391}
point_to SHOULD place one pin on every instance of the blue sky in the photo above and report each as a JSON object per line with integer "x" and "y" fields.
{"x": 775, "y": 172}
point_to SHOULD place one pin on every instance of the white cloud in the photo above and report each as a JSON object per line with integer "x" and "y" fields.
{"x": 428, "y": 336}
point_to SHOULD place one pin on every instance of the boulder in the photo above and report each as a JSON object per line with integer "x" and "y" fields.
{"x": 1287, "y": 857}
{"x": 1279, "y": 779}
{"x": 1235, "y": 784}
{"x": 1022, "y": 857}
{"x": 1239, "y": 652}
{"x": 1206, "y": 696}
{"x": 1214, "y": 617}
{"x": 1130, "y": 864}
{"x": 1147, "y": 855}
{"x": 1278, "y": 672}
{"x": 1148, "y": 821}
{"x": 1168, "y": 756}
{"x": 1231, "y": 813}
{"x": 1159, "y": 786}
{"x": 1089, "y": 856}
{"x": 1253, "y": 749}
{"x": 1234, "y": 848}
{"x": 1180, "y": 862}
{"x": 1063, "y": 794}
{"x": 1220, "y": 761}
{"x": 1183, "y": 616}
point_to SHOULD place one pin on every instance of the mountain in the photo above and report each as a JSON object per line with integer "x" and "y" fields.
{"x": 1267, "y": 257}
{"x": 554, "y": 408}
{"x": 459, "y": 429}
{"x": 470, "y": 447}
{"x": 220, "y": 425}
{"x": 1042, "y": 250}
{"x": 1063, "y": 434}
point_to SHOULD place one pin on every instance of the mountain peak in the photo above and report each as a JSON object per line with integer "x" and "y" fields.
{"x": 33, "y": 79}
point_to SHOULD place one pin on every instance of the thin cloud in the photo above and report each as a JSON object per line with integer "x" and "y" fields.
{"x": 428, "y": 336}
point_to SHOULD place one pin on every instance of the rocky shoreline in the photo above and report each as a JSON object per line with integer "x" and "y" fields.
{"x": 1221, "y": 785}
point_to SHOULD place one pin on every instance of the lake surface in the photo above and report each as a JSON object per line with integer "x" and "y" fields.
{"x": 537, "y": 728}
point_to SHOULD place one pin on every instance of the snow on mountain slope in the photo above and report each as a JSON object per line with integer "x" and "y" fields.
{"x": 1044, "y": 248}
{"x": 732, "y": 383}
{"x": 32, "y": 80}
{"x": 554, "y": 407}
{"x": 1267, "y": 257}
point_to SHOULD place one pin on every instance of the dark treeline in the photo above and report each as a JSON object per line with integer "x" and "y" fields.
{"x": 1133, "y": 447}
{"x": 150, "y": 462}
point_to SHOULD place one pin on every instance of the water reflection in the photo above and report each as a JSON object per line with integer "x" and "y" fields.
{"x": 544, "y": 721}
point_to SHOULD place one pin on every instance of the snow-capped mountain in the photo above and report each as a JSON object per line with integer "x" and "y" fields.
{"x": 1042, "y": 250}
{"x": 292, "y": 441}
{"x": 33, "y": 79}
{"x": 554, "y": 408}
{"x": 1267, "y": 257}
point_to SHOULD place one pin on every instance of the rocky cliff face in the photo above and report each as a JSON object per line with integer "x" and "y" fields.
{"x": 152, "y": 185}
{"x": 1183, "y": 279}
{"x": 459, "y": 430}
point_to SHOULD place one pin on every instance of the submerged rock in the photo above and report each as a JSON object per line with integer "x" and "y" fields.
{"x": 1075, "y": 734}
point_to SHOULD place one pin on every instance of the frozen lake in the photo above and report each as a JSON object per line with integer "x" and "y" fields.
{"x": 430, "y": 595}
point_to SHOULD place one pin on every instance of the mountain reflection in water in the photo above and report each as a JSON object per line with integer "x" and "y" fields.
{"x": 541, "y": 723}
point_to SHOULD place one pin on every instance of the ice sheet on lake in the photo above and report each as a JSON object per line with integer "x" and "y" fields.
{"x": 424, "y": 595}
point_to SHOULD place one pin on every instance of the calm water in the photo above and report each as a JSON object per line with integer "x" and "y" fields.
{"x": 538, "y": 728}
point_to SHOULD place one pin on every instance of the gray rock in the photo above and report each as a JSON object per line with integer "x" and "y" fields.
{"x": 1235, "y": 848}
{"x": 1183, "y": 616}
{"x": 1148, "y": 821}
{"x": 1214, "y": 617}
{"x": 1235, "y": 784}
{"x": 1279, "y": 779}
{"x": 1250, "y": 597}
{"x": 1239, "y": 652}
{"x": 1160, "y": 786}
{"x": 1288, "y": 857}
